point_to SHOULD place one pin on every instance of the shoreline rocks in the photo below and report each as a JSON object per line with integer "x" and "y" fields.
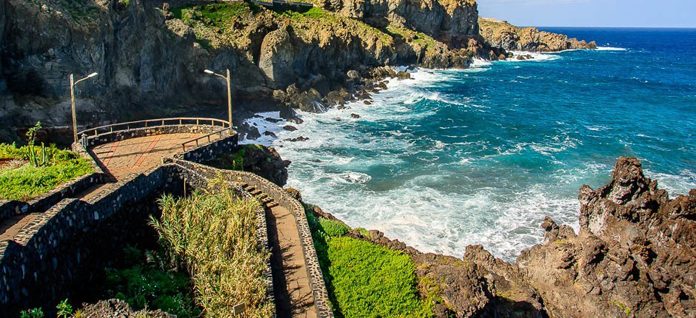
{"x": 635, "y": 255}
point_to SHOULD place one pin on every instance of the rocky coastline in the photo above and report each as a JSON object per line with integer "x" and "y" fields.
{"x": 150, "y": 55}
{"x": 633, "y": 257}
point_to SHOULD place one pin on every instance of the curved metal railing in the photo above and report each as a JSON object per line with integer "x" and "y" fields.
{"x": 152, "y": 123}
{"x": 209, "y": 136}
{"x": 100, "y": 131}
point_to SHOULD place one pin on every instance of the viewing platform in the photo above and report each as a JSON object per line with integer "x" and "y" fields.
{"x": 136, "y": 161}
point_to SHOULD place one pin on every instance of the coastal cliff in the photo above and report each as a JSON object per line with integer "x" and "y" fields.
{"x": 504, "y": 35}
{"x": 634, "y": 256}
{"x": 150, "y": 54}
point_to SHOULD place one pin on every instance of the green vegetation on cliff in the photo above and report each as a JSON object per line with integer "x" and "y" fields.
{"x": 212, "y": 235}
{"x": 143, "y": 283}
{"x": 21, "y": 180}
{"x": 365, "y": 279}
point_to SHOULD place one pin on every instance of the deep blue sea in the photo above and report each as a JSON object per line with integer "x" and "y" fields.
{"x": 480, "y": 156}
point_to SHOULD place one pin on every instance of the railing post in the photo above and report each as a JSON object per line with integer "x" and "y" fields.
{"x": 197, "y": 121}
{"x": 162, "y": 122}
{"x": 179, "y": 121}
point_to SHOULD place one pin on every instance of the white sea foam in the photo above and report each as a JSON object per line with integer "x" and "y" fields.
{"x": 610, "y": 48}
{"x": 339, "y": 169}
{"x": 480, "y": 63}
{"x": 535, "y": 57}
{"x": 264, "y": 125}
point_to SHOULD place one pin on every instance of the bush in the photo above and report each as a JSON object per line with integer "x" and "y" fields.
{"x": 25, "y": 181}
{"x": 365, "y": 279}
{"x": 212, "y": 235}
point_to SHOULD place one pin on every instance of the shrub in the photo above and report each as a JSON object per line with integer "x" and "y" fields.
{"x": 64, "y": 309}
{"x": 212, "y": 235}
{"x": 147, "y": 286}
{"x": 32, "y": 313}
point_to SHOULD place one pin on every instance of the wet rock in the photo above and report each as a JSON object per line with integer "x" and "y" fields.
{"x": 300, "y": 138}
{"x": 270, "y": 134}
{"x": 403, "y": 75}
{"x": 289, "y": 128}
{"x": 296, "y": 120}
{"x": 354, "y": 115}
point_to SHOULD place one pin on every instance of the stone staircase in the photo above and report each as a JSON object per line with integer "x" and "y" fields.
{"x": 264, "y": 198}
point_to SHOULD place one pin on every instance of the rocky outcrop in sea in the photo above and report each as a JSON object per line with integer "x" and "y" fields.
{"x": 504, "y": 35}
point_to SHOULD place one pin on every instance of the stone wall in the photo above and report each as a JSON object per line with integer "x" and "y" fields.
{"x": 36, "y": 266}
{"x": 321, "y": 296}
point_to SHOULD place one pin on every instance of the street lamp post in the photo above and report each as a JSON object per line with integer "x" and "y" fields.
{"x": 72, "y": 101}
{"x": 229, "y": 92}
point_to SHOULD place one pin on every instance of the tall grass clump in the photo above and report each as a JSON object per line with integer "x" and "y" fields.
{"x": 212, "y": 235}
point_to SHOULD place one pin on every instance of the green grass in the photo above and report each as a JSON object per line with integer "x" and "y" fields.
{"x": 22, "y": 181}
{"x": 215, "y": 14}
{"x": 212, "y": 235}
{"x": 365, "y": 279}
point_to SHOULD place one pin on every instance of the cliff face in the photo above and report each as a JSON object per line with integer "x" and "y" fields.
{"x": 150, "y": 57}
{"x": 450, "y": 21}
{"x": 509, "y": 37}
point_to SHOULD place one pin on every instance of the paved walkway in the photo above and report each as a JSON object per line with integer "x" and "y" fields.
{"x": 137, "y": 155}
{"x": 291, "y": 285}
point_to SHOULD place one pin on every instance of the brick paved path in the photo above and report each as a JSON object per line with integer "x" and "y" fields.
{"x": 137, "y": 155}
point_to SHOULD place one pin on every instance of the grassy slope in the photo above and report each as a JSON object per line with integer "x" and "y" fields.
{"x": 365, "y": 279}
{"x": 26, "y": 181}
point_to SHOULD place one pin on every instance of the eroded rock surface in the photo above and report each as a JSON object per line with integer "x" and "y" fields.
{"x": 635, "y": 253}
{"x": 504, "y": 35}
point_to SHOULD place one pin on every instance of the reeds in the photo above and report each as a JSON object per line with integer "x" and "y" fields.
{"x": 212, "y": 235}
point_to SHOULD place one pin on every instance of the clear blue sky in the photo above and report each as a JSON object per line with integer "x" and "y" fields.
{"x": 601, "y": 13}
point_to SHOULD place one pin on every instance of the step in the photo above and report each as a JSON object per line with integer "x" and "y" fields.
{"x": 266, "y": 200}
{"x": 255, "y": 192}
{"x": 272, "y": 204}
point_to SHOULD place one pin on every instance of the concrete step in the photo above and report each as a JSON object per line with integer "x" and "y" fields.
{"x": 272, "y": 204}
{"x": 255, "y": 192}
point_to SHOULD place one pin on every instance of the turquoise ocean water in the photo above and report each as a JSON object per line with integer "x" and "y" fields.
{"x": 480, "y": 156}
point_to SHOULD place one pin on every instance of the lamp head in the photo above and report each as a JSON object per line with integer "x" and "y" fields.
{"x": 92, "y": 75}
{"x": 209, "y": 72}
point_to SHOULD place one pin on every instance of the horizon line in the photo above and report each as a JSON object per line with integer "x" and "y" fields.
{"x": 610, "y": 27}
